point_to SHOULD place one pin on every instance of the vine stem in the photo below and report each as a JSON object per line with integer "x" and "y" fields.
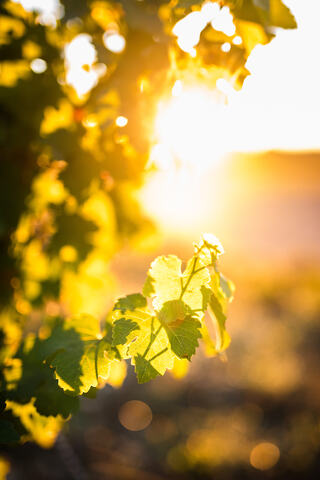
{"x": 194, "y": 271}
{"x": 153, "y": 336}
{"x": 184, "y": 288}
{"x": 158, "y": 354}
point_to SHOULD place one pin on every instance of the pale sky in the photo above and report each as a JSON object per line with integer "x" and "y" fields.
{"x": 279, "y": 105}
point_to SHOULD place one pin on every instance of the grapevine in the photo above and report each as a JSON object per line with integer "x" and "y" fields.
{"x": 69, "y": 196}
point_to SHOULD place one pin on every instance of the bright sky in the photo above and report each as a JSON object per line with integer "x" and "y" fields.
{"x": 281, "y": 99}
{"x": 279, "y": 106}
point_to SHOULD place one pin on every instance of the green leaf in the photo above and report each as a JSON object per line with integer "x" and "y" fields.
{"x": 172, "y": 311}
{"x": 79, "y": 359}
{"x": 144, "y": 369}
{"x": 36, "y": 427}
{"x": 50, "y": 400}
{"x": 8, "y": 433}
{"x": 169, "y": 283}
{"x": 195, "y": 277}
{"x": 131, "y": 302}
{"x": 34, "y": 379}
{"x": 165, "y": 277}
{"x": 153, "y": 345}
{"x": 214, "y": 334}
{"x": 218, "y": 319}
{"x": 125, "y": 329}
{"x": 183, "y": 336}
{"x": 206, "y": 295}
{"x": 148, "y": 288}
{"x": 227, "y": 287}
{"x": 79, "y": 366}
{"x": 122, "y": 329}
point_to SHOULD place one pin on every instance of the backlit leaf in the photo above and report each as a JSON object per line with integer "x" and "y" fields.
{"x": 183, "y": 336}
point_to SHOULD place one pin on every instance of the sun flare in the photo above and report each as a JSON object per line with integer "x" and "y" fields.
{"x": 190, "y": 128}
{"x": 191, "y": 136}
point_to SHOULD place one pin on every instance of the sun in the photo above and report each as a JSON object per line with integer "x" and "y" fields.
{"x": 191, "y": 137}
{"x": 190, "y": 128}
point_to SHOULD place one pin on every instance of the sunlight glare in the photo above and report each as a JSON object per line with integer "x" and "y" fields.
{"x": 82, "y": 71}
{"x": 114, "y": 42}
{"x": 278, "y": 107}
{"x": 226, "y": 47}
{"x": 191, "y": 135}
{"x": 49, "y": 10}
{"x": 121, "y": 121}
{"x": 188, "y": 29}
{"x": 172, "y": 199}
{"x": 191, "y": 127}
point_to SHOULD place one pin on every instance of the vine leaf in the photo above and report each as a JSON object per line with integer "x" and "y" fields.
{"x": 219, "y": 296}
{"x": 152, "y": 344}
{"x": 280, "y": 15}
{"x": 131, "y": 302}
{"x": 268, "y": 13}
{"x": 80, "y": 354}
{"x": 8, "y": 433}
{"x": 144, "y": 369}
{"x": 28, "y": 377}
{"x": 195, "y": 277}
{"x": 122, "y": 329}
{"x": 155, "y": 339}
{"x": 164, "y": 280}
{"x": 169, "y": 283}
{"x": 172, "y": 311}
{"x": 183, "y": 336}
{"x": 50, "y": 400}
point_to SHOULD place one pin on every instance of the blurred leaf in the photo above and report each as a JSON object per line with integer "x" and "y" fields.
{"x": 180, "y": 367}
{"x": 41, "y": 429}
{"x": 8, "y": 434}
{"x": 280, "y": 15}
{"x": 271, "y": 13}
{"x": 78, "y": 354}
{"x": 118, "y": 372}
{"x": 51, "y": 400}
{"x": 12, "y": 72}
{"x": 10, "y": 28}
{"x": 218, "y": 318}
{"x": 252, "y": 34}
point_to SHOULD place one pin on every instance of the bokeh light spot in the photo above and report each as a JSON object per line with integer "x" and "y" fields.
{"x": 114, "y": 42}
{"x": 135, "y": 415}
{"x": 38, "y": 65}
{"x": 264, "y": 456}
{"x": 121, "y": 121}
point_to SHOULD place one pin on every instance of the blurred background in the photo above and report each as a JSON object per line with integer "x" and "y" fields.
{"x": 254, "y": 411}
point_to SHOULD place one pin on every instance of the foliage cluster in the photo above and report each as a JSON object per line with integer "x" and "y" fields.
{"x": 70, "y": 174}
